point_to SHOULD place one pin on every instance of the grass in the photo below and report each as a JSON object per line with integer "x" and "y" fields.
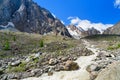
{"x": 104, "y": 37}
{"x": 22, "y": 44}
{"x": 107, "y": 42}
{"x": 20, "y": 68}
{"x": 114, "y": 47}
{"x": 13, "y": 44}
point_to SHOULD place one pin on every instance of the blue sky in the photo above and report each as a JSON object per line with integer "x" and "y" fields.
{"x": 103, "y": 12}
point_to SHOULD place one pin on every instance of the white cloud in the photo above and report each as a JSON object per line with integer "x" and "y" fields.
{"x": 117, "y": 4}
{"x": 85, "y": 24}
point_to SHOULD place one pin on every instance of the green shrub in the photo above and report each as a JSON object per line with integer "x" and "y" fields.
{"x": 118, "y": 45}
{"x": 7, "y": 45}
{"x": 110, "y": 48}
{"x": 36, "y": 60}
{"x": 14, "y": 38}
{"x": 114, "y": 47}
{"x": 41, "y": 43}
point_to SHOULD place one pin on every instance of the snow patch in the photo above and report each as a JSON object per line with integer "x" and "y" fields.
{"x": 20, "y": 10}
{"x": 10, "y": 24}
{"x": 86, "y": 24}
{"x": 74, "y": 33}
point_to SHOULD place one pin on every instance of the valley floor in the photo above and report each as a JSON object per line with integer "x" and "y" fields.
{"x": 35, "y": 57}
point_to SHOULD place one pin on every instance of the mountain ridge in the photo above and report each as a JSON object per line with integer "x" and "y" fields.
{"x": 78, "y": 32}
{"x": 29, "y": 17}
{"x": 113, "y": 30}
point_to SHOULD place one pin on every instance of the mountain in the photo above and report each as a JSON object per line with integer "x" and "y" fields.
{"x": 27, "y": 16}
{"x": 113, "y": 30}
{"x": 78, "y": 32}
{"x": 92, "y": 31}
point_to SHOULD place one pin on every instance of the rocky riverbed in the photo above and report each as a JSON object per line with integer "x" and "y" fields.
{"x": 90, "y": 66}
{"x": 34, "y": 65}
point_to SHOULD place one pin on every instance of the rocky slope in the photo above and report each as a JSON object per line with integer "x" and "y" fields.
{"x": 113, "y": 30}
{"x": 27, "y": 16}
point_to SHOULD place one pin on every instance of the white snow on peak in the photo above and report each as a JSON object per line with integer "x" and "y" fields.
{"x": 22, "y": 7}
{"x": 74, "y": 33}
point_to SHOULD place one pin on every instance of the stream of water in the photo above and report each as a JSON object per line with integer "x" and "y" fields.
{"x": 81, "y": 74}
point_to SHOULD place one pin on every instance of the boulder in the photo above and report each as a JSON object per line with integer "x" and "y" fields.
{"x": 16, "y": 63}
{"x": 28, "y": 59}
{"x": 94, "y": 74}
{"x": 37, "y": 72}
{"x": 53, "y": 61}
{"x": 64, "y": 58}
{"x": 70, "y": 65}
{"x": 50, "y": 73}
{"x": 111, "y": 72}
{"x": 93, "y": 67}
{"x": 37, "y": 55}
{"x": 59, "y": 67}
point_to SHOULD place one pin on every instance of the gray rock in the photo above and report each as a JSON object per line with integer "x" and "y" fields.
{"x": 53, "y": 61}
{"x": 109, "y": 55}
{"x": 111, "y": 72}
{"x": 70, "y": 65}
{"x": 37, "y": 55}
{"x": 3, "y": 77}
{"x": 37, "y": 72}
{"x": 94, "y": 74}
{"x": 59, "y": 67}
{"x": 12, "y": 76}
{"x": 28, "y": 59}
{"x": 50, "y": 73}
{"x": 46, "y": 69}
{"x": 16, "y": 63}
{"x": 64, "y": 58}
{"x": 27, "y": 74}
{"x": 93, "y": 67}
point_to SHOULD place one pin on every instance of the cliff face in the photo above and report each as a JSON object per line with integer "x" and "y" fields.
{"x": 27, "y": 16}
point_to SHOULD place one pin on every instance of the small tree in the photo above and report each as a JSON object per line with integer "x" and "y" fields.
{"x": 14, "y": 38}
{"x": 41, "y": 43}
{"x": 7, "y": 45}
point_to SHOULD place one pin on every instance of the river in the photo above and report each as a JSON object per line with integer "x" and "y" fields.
{"x": 81, "y": 74}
